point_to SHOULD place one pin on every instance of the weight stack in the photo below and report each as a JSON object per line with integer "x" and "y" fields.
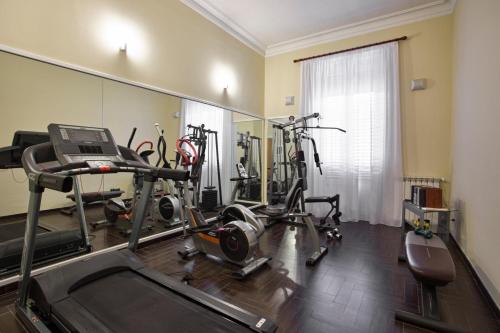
{"x": 209, "y": 199}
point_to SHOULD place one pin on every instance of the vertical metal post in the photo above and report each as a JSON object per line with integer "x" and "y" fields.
{"x": 270, "y": 168}
{"x": 298, "y": 147}
{"x": 29, "y": 241}
{"x": 249, "y": 164}
{"x": 80, "y": 211}
{"x": 140, "y": 212}
{"x": 284, "y": 158}
{"x": 260, "y": 157}
{"x": 218, "y": 166}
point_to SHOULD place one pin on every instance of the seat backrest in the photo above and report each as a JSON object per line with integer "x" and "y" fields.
{"x": 293, "y": 195}
{"x": 195, "y": 217}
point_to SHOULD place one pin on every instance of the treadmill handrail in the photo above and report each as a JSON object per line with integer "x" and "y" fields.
{"x": 62, "y": 181}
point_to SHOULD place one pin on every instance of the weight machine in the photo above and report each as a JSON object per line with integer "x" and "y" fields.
{"x": 249, "y": 169}
{"x": 293, "y": 206}
{"x": 300, "y": 130}
{"x": 205, "y": 141}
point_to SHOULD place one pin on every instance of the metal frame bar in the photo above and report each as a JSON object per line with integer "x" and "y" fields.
{"x": 140, "y": 213}
{"x": 29, "y": 241}
{"x": 430, "y": 318}
{"x": 80, "y": 211}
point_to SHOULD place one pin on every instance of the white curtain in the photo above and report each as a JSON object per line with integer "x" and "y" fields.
{"x": 216, "y": 119}
{"x": 357, "y": 91}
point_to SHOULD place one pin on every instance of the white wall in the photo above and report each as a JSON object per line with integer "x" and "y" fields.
{"x": 476, "y": 136}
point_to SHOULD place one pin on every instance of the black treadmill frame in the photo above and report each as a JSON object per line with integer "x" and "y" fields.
{"x": 56, "y": 251}
{"x": 62, "y": 179}
{"x": 10, "y": 158}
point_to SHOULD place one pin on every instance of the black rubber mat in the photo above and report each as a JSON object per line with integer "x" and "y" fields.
{"x": 127, "y": 302}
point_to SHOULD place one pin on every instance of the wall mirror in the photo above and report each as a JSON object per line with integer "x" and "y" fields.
{"x": 34, "y": 94}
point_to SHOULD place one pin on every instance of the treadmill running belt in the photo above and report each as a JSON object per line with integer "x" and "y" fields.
{"x": 15, "y": 230}
{"x": 127, "y": 302}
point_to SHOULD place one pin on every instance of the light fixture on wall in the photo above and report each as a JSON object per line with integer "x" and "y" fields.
{"x": 121, "y": 35}
{"x": 223, "y": 78}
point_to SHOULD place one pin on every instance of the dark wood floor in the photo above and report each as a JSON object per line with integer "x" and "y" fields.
{"x": 355, "y": 288}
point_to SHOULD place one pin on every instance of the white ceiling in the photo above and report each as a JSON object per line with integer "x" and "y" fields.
{"x": 267, "y": 23}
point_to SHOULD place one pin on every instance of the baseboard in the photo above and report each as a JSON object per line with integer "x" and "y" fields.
{"x": 478, "y": 281}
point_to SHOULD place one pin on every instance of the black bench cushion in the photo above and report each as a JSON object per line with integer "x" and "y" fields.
{"x": 321, "y": 199}
{"x": 429, "y": 260}
{"x": 90, "y": 197}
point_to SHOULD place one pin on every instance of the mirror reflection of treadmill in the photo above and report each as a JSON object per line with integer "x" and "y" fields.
{"x": 51, "y": 245}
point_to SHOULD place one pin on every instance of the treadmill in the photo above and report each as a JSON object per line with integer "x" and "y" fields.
{"x": 51, "y": 245}
{"x": 111, "y": 292}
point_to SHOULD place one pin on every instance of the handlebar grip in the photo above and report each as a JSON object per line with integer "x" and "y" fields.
{"x": 131, "y": 138}
{"x": 55, "y": 182}
{"x": 181, "y": 175}
{"x": 316, "y": 159}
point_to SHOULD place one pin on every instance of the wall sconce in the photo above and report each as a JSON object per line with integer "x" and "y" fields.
{"x": 119, "y": 35}
{"x": 223, "y": 78}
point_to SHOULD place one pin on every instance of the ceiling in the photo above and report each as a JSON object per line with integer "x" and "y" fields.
{"x": 270, "y": 23}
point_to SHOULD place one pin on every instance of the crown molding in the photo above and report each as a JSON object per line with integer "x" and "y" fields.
{"x": 415, "y": 14}
{"x": 411, "y": 15}
{"x": 226, "y": 24}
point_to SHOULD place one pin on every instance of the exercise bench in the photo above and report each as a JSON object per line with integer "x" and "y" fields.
{"x": 431, "y": 264}
{"x": 90, "y": 198}
{"x": 334, "y": 201}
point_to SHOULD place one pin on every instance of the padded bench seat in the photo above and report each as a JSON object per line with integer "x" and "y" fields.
{"x": 90, "y": 197}
{"x": 321, "y": 199}
{"x": 429, "y": 260}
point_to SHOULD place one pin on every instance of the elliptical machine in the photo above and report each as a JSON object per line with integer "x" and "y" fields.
{"x": 232, "y": 236}
{"x": 116, "y": 209}
{"x": 167, "y": 208}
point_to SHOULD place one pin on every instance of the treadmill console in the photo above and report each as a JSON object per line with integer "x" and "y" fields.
{"x": 84, "y": 145}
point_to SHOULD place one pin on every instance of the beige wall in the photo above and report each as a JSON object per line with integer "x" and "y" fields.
{"x": 34, "y": 94}
{"x": 169, "y": 45}
{"x": 425, "y": 114}
{"x": 476, "y": 144}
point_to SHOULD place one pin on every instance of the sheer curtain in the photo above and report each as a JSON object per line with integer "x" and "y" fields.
{"x": 357, "y": 91}
{"x": 219, "y": 120}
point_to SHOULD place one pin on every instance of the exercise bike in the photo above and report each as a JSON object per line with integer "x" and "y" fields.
{"x": 232, "y": 236}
